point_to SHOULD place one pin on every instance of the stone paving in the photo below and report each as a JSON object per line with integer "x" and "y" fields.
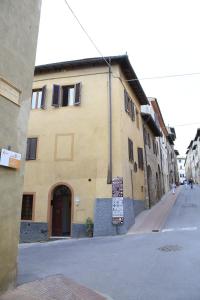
{"x": 55, "y": 287}
{"x": 153, "y": 220}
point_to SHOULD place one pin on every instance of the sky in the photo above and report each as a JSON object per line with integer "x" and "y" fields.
{"x": 161, "y": 37}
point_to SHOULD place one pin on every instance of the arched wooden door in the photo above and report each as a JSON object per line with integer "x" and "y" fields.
{"x": 61, "y": 211}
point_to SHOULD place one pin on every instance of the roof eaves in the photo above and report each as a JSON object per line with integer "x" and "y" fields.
{"x": 151, "y": 123}
{"x": 122, "y": 60}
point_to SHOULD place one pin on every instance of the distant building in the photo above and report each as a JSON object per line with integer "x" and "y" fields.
{"x": 151, "y": 130}
{"x": 172, "y": 157}
{"x": 163, "y": 146}
{"x": 192, "y": 163}
{"x": 18, "y": 35}
{"x": 181, "y": 169}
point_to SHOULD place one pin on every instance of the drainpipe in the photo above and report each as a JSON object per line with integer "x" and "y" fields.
{"x": 109, "y": 176}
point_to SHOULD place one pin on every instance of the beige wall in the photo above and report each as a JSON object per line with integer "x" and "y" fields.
{"x": 84, "y": 132}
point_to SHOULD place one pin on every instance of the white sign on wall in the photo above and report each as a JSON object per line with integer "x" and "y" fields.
{"x": 10, "y": 159}
{"x": 117, "y": 210}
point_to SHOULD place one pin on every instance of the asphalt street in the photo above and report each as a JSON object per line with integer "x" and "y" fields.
{"x": 158, "y": 266}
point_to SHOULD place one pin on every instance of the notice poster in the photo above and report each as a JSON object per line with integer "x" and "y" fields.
{"x": 117, "y": 210}
{"x": 10, "y": 159}
{"x": 117, "y": 201}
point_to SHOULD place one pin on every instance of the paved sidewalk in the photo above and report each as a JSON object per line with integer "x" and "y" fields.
{"x": 153, "y": 220}
{"x": 55, "y": 287}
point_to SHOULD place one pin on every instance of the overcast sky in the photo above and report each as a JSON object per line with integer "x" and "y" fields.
{"x": 161, "y": 37}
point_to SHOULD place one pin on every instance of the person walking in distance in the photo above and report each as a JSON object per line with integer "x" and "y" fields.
{"x": 173, "y": 188}
{"x": 191, "y": 183}
{"x": 185, "y": 183}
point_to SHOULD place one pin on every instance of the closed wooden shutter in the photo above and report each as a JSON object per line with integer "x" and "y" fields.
{"x": 77, "y": 99}
{"x": 132, "y": 111}
{"x": 31, "y": 149}
{"x": 140, "y": 158}
{"x": 43, "y": 97}
{"x": 27, "y": 149}
{"x": 130, "y": 150}
{"x": 56, "y": 95}
{"x": 125, "y": 101}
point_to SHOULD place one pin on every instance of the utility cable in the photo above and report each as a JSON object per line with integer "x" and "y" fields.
{"x": 87, "y": 34}
{"x": 109, "y": 65}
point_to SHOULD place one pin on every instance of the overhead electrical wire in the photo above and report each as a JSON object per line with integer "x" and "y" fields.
{"x": 87, "y": 34}
{"x": 110, "y": 66}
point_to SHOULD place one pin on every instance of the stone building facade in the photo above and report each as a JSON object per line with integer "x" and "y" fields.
{"x": 153, "y": 172}
{"x": 192, "y": 163}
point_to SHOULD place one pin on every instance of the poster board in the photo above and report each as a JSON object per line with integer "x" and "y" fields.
{"x": 117, "y": 201}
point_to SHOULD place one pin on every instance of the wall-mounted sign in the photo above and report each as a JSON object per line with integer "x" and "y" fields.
{"x": 117, "y": 210}
{"x": 10, "y": 159}
{"x": 117, "y": 201}
{"x": 8, "y": 91}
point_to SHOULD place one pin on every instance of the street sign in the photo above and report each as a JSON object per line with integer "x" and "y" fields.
{"x": 10, "y": 159}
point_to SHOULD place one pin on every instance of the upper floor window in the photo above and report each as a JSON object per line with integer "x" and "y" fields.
{"x": 38, "y": 98}
{"x": 129, "y": 106}
{"x": 154, "y": 147}
{"x": 31, "y": 149}
{"x": 27, "y": 207}
{"x": 67, "y": 95}
{"x": 149, "y": 140}
{"x": 137, "y": 119}
{"x": 130, "y": 150}
{"x": 140, "y": 159}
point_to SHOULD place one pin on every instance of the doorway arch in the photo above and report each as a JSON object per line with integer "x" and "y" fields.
{"x": 61, "y": 204}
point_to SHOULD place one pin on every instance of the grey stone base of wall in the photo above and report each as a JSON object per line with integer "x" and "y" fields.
{"x": 103, "y": 216}
{"x": 33, "y": 232}
{"x": 78, "y": 230}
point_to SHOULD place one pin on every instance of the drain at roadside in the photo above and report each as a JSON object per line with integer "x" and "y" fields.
{"x": 170, "y": 248}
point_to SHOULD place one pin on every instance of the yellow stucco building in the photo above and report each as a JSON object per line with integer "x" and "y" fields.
{"x": 85, "y": 128}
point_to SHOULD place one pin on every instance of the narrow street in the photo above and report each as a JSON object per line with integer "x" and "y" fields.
{"x": 159, "y": 265}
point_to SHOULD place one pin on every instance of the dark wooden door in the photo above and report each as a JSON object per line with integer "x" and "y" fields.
{"x": 57, "y": 210}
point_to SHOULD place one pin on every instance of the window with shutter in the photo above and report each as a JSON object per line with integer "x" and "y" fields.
{"x": 125, "y": 100}
{"x": 56, "y": 95}
{"x": 140, "y": 158}
{"x": 132, "y": 111}
{"x": 38, "y": 97}
{"x": 145, "y": 136}
{"x": 77, "y": 99}
{"x": 149, "y": 141}
{"x": 43, "y": 97}
{"x": 31, "y": 149}
{"x": 130, "y": 150}
{"x": 137, "y": 119}
{"x": 71, "y": 95}
{"x": 27, "y": 207}
{"x": 129, "y": 106}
